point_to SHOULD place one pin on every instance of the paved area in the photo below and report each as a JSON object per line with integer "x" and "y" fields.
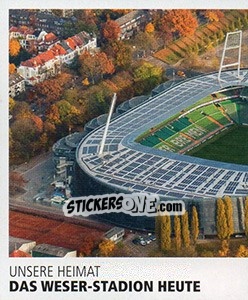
{"x": 39, "y": 173}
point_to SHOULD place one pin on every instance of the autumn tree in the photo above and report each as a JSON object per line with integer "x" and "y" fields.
{"x": 165, "y": 234}
{"x": 229, "y": 216}
{"x": 246, "y": 216}
{"x": 111, "y": 30}
{"x": 106, "y": 247}
{"x": 16, "y": 182}
{"x": 93, "y": 65}
{"x": 221, "y": 222}
{"x": 26, "y": 132}
{"x": 213, "y": 15}
{"x": 185, "y": 230}
{"x": 21, "y": 109}
{"x": 52, "y": 114}
{"x": 177, "y": 232}
{"x": 149, "y": 28}
{"x": 14, "y": 47}
{"x": 87, "y": 246}
{"x": 181, "y": 21}
{"x": 224, "y": 251}
{"x": 145, "y": 41}
{"x": 158, "y": 229}
{"x": 50, "y": 90}
{"x": 12, "y": 68}
{"x": 242, "y": 251}
{"x": 120, "y": 53}
{"x": 11, "y": 104}
{"x": 194, "y": 225}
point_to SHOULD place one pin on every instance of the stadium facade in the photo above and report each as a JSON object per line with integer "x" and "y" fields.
{"x": 128, "y": 166}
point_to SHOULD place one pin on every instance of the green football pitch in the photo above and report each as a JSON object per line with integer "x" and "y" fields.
{"x": 228, "y": 146}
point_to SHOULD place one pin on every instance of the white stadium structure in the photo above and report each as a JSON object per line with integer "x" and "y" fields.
{"x": 128, "y": 166}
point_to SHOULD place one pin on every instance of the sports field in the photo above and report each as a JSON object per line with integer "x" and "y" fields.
{"x": 228, "y": 146}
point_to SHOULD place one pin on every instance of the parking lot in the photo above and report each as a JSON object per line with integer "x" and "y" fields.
{"x": 136, "y": 249}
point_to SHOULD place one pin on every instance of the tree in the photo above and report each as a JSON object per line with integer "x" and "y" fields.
{"x": 16, "y": 182}
{"x": 50, "y": 90}
{"x": 165, "y": 232}
{"x": 95, "y": 65}
{"x": 181, "y": 21}
{"x": 177, "y": 232}
{"x": 52, "y": 114}
{"x": 246, "y": 216}
{"x": 213, "y": 15}
{"x": 185, "y": 230}
{"x": 158, "y": 229}
{"x": 120, "y": 53}
{"x": 221, "y": 224}
{"x": 194, "y": 225}
{"x": 242, "y": 251}
{"x": 38, "y": 123}
{"x": 111, "y": 30}
{"x": 149, "y": 28}
{"x": 12, "y": 68}
{"x": 224, "y": 251}
{"x": 106, "y": 247}
{"x": 11, "y": 104}
{"x": 87, "y": 246}
{"x": 14, "y": 47}
{"x": 67, "y": 112}
{"x": 229, "y": 216}
{"x": 146, "y": 77}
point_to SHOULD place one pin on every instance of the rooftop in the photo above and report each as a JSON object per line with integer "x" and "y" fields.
{"x": 51, "y": 250}
{"x": 130, "y": 16}
{"x": 14, "y": 79}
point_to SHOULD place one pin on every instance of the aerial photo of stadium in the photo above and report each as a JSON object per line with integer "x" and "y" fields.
{"x": 145, "y": 147}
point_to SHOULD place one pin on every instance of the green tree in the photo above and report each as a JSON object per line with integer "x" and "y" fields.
{"x": 194, "y": 225}
{"x": 67, "y": 112}
{"x": 120, "y": 53}
{"x": 229, "y": 216}
{"x": 185, "y": 230}
{"x": 146, "y": 77}
{"x": 221, "y": 222}
{"x": 178, "y": 234}
{"x": 165, "y": 232}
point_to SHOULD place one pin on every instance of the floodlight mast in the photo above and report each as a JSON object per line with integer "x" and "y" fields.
{"x": 233, "y": 41}
{"x": 111, "y": 109}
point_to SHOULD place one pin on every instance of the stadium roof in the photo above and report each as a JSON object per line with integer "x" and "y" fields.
{"x": 132, "y": 167}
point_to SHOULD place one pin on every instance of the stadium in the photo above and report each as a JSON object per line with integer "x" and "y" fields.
{"x": 149, "y": 147}
{"x": 144, "y": 148}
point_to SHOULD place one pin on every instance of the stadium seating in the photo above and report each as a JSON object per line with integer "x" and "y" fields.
{"x": 190, "y": 129}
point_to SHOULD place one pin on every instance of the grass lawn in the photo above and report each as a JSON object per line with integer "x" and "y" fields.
{"x": 229, "y": 146}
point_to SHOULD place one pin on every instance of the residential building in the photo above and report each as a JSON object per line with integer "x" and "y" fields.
{"x": 46, "y": 40}
{"x": 42, "y": 66}
{"x": 115, "y": 234}
{"x": 40, "y": 20}
{"x": 48, "y": 63}
{"x": 133, "y": 22}
{"x": 16, "y": 85}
